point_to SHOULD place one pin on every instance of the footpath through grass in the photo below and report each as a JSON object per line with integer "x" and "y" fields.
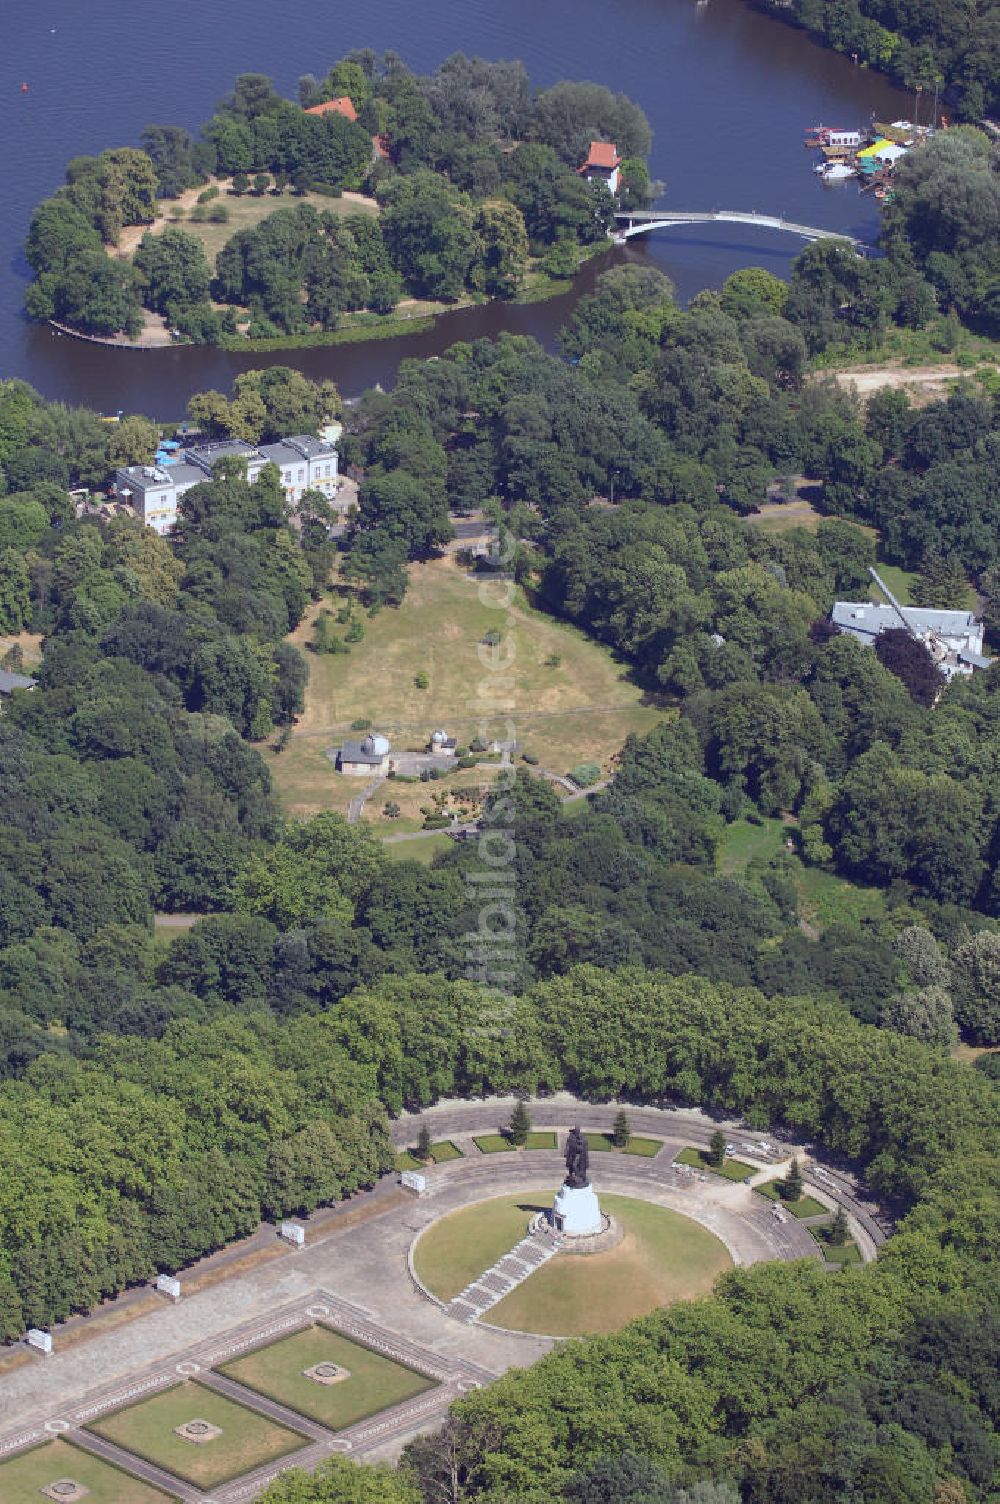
{"x": 24, "y": 1475}
{"x": 663, "y": 1257}
{"x": 453, "y": 1251}
{"x": 575, "y": 704}
{"x": 375, "y": 1382}
{"x": 730, "y": 1169}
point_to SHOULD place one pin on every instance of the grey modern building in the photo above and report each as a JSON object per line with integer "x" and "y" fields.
{"x": 954, "y": 638}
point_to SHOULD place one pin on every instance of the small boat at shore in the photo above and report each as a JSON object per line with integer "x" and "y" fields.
{"x": 835, "y": 172}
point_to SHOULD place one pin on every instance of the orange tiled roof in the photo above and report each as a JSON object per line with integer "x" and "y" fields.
{"x": 603, "y": 154}
{"x": 341, "y": 106}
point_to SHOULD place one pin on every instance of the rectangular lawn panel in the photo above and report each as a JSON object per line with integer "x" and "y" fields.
{"x": 647, "y": 1147}
{"x": 441, "y": 1152}
{"x": 492, "y": 1143}
{"x": 806, "y": 1206}
{"x": 836, "y": 1253}
{"x": 444, "y": 1150}
{"x": 730, "y": 1169}
{"x": 603, "y": 1142}
{"x": 24, "y": 1476}
{"x": 248, "y": 1440}
{"x": 541, "y": 1140}
{"x": 375, "y": 1382}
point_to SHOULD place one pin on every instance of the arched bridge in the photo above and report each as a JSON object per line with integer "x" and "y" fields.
{"x": 640, "y": 221}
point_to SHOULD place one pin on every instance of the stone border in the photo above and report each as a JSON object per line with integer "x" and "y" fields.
{"x": 449, "y": 1376}
{"x": 610, "y": 1235}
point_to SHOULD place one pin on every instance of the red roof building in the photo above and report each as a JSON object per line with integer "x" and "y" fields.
{"x": 341, "y": 106}
{"x": 602, "y": 165}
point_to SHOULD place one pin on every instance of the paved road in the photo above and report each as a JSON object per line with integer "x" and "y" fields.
{"x": 359, "y": 1254}
{"x": 870, "y": 1224}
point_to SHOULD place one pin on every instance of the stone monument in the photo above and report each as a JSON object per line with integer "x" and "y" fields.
{"x": 575, "y": 1211}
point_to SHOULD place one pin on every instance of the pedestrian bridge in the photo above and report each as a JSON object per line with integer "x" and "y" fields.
{"x": 642, "y": 221}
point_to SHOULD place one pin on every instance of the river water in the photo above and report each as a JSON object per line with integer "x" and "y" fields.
{"x": 728, "y": 92}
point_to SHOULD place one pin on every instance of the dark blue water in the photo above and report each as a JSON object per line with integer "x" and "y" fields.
{"x": 728, "y": 92}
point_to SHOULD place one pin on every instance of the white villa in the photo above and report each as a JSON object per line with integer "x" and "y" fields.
{"x": 305, "y": 463}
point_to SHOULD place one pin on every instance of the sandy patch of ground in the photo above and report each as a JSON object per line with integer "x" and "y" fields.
{"x": 924, "y": 383}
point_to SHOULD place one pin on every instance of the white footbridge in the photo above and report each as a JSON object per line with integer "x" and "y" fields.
{"x": 632, "y": 222}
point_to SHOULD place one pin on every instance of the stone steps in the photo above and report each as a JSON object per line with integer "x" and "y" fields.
{"x": 505, "y": 1275}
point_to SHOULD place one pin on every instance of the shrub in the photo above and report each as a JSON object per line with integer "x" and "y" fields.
{"x": 361, "y": 725}
{"x": 584, "y": 774}
{"x": 218, "y": 214}
{"x": 207, "y": 195}
{"x": 531, "y": 758}
{"x": 421, "y": 680}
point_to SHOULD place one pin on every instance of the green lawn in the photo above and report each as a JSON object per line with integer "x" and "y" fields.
{"x": 836, "y": 1253}
{"x": 579, "y": 711}
{"x": 826, "y": 899}
{"x": 663, "y": 1257}
{"x": 248, "y": 1440}
{"x": 440, "y": 1153}
{"x": 493, "y": 1143}
{"x": 424, "y": 850}
{"x": 247, "y": 211}
{"x": 646, "y": 1147}
{"x": 731, "y": 1169}
{"x": 375, "y": 1382}
{"x": 499, "y": 1143}
{"x": 25, "y": 1474}
{"x": 806, "y": 1206}
{"x": 744, "y": 842}
{"x": 454, "y": 1250}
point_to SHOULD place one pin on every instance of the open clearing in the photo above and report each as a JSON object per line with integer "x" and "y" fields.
{"x": 24, "y": 1476}
{"x": 662, "y": 1258}
{"x": 244, "y": 212}
{"x": 924, "y": 384}
{"x": 579, "y": 710}
{"x": 248, "y": 1440}
{"x": 375, "y": 1382}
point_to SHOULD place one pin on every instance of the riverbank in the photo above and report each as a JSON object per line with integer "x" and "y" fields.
{"x": 357, "y": 328}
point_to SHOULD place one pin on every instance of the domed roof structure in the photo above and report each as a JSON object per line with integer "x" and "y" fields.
{"x": 380, "y": 745}
{"x": 439, "y": 737}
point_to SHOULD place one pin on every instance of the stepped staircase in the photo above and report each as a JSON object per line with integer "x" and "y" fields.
{"x": 505, "y": 1275}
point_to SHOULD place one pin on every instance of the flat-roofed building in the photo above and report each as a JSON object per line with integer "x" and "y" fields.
{"x": 954, "y": 639}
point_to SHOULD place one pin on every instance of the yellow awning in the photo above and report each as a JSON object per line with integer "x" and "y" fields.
{"x": 876, "y": 149}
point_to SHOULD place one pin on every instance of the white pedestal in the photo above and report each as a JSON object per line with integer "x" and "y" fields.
{"x": 575, "y": 1211}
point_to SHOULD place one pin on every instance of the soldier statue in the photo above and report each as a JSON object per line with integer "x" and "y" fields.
{"x": 577, "y": 1160}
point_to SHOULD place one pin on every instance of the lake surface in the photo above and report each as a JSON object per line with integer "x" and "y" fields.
{"x": 728, "y": 92}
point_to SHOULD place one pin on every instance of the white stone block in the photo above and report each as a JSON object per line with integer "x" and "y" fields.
{"x": 168, "y": 1285}
{"x": 576, "y": 1212}
{"x": 414, "y": 1181}
{"x": 41, "y": 1340}
{"x": 293, "y": 1232}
